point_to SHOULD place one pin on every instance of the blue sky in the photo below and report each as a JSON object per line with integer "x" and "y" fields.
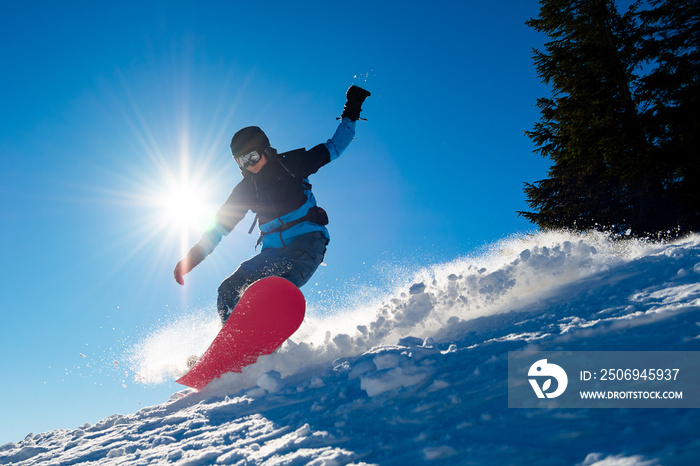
{"x": 109, "y": 110}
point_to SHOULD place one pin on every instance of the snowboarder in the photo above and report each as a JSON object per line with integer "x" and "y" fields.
{"x": 276, "y": 188}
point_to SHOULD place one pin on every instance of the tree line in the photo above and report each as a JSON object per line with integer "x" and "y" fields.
{"x": 622, "y": 124}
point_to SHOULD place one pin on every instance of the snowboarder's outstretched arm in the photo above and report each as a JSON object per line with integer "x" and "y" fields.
{"x": 355, "y": 96}
{"x": 228, "y": 216}
{"x": 304, "y": 163}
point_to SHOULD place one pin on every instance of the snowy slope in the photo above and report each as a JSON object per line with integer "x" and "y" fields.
{"x": 421, "y": 376}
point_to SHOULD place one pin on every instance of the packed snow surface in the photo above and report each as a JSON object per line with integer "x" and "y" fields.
{"x": 420, "y": 376}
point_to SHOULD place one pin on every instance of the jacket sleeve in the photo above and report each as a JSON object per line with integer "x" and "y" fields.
{"x": 226, "y": 219}
{"x": 304, "y": 163}
{"x": 342, "y": 138}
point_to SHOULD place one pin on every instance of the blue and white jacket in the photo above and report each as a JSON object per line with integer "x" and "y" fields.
{"x": 280, "y": 193}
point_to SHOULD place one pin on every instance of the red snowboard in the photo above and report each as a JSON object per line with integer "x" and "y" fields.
{"x": 269, "y": 312}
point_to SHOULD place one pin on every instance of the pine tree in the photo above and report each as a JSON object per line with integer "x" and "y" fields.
{"x": 671, "y": 92}
{"x": 610, "y": 171}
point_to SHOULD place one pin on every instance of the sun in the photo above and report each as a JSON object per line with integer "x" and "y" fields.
{"x": 183, "y": 206}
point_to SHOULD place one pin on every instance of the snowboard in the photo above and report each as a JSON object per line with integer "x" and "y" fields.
{"x": 268, "y": 313}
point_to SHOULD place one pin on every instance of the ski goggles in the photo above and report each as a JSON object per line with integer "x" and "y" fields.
{"x": 249, "y": 159}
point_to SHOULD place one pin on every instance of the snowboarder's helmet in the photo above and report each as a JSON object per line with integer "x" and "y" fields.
{"x": 247, "y": 139}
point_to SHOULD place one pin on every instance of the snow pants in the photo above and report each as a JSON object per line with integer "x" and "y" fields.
{"x": 297, "y": 263}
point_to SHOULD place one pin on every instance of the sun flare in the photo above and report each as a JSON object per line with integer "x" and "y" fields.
{"x": 184, "y": 206}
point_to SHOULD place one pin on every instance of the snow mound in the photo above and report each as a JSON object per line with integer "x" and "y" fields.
{"x": 420, "y": 376}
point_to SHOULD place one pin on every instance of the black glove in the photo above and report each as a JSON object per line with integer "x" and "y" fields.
{"x": 355, "y": 96}
{"x": 190, "y": 261}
